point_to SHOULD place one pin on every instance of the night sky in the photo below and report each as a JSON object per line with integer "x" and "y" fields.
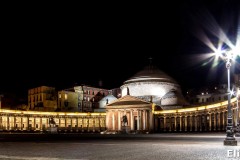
{"x": 68, "y": 45}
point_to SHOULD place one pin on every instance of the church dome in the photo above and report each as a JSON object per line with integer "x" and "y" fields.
{"x": 152, "y": 84}
{"x": 105, "y": 100}
{"x": 150, "y": 73}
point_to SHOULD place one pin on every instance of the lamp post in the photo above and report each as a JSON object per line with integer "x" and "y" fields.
{"x": 229, "y": 140}
{"x": 237, "y": 134}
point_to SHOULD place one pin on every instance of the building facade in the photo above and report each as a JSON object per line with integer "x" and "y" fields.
{"x": 42, "y": 98}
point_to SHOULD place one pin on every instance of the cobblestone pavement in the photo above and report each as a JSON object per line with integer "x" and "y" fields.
{"x": 202, "y": 146}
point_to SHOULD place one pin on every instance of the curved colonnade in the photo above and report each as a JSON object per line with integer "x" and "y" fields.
{"x": 212, "y": 117}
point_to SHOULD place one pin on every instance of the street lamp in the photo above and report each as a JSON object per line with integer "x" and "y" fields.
{"x": 229, "y": 140}
{"x": 237, "y": 134}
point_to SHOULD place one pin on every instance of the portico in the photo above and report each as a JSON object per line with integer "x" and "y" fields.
{"x": 139, "y": 114}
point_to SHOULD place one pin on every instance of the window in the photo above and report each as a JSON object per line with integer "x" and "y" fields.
{"x": 59, "y": 95}
{"x": 66, "y": 96}
{"x": 88, "y": 98}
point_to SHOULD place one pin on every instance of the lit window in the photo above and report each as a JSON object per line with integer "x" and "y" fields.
{"x": 59, "y": 96}
{"x": 66, "y": 96}
{"x": 93, "y": 99}
{"x": 88, "y": 98}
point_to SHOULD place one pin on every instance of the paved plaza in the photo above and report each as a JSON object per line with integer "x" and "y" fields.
{"x": 162, "y": 146}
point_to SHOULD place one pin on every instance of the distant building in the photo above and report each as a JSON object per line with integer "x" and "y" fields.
{"x": 42, "y": 98}
{"x": 81, "y": 98}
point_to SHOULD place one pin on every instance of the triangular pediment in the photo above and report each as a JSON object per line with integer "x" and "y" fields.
{"x": 128, "y": 100}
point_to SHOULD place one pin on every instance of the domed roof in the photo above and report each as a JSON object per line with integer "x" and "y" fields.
{"x": 106, "y": 100}
{"x": 170, "y": 94}
{"x": 150, "y": 73}
{"x": 109, "y": 97}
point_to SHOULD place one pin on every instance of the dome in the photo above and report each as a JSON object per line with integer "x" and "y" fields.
{"x": 152, "y": 83}
{"x": 170, "y": 94}
{"x": 150, "y": 73}
{"x": 105, "y": 100}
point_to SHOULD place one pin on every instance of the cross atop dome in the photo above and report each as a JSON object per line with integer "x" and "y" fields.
{"x": 150, "y": 66}
{"x": 150, "y": 61}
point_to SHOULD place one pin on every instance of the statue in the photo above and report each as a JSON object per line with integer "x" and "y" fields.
{"x": 52, "y": 129}
{"x": 52, "y": 122}
{"x": 124, "y": 119}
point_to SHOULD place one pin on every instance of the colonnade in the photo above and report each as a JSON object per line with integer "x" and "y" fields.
{"x": 25, "y": 122}
{"x": 212, "y": 119}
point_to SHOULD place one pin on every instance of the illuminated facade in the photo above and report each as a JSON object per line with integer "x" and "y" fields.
{"x": 13, "y": 120}
{"x": 42, "y": 98}
{"x": 142, "y": 116}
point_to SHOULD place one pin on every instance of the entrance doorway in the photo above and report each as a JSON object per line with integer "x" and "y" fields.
{"x": 135, "y": 122}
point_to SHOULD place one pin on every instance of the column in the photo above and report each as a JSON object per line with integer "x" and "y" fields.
{"x": 196, "y": 126}
{"x": 210, "y": 121}
{"x": 65, "y": 118}
{"x": 219, "y": 122}
{"x": 150, "y": 120}
{"x": 191, "y": 123}
{"x": 1, "y": 124}
{"x": 175, "y": 123}
{"x": 205, "y": 121}
{"x": 14, "y": 123}
{"x": 119, "y": 120}
{"x": 144, "y": 119}
{"x": 170, "y": 124}
{"x": 27, "y": 123}
{"x": 180, "y": 123}
{"x": 21, "y": 123}
{"x": 147, "y": 120}
{"x": 77, "y": 123}
{"x": 94, "y": 123}
{"x": 131, "y": 114}
{"x": 186, "y": 124}
{"x": 164, "y": 123}
{"x": 34, "y": 121}
{"x": 223, "y": 120}
{"x": 214, "y": 114}
{"x": 113, "y": 121}
{"x": 88, "y": 124}
{"x": 59, "y": 123}
{"x": 8, "y": 122}
{"x": 107, "y": 119}
{"x": 200, "y": 122}
{"x": 40, "y": 123}
{"x": 83, "y": 124}
{"x": 138, "y": 120}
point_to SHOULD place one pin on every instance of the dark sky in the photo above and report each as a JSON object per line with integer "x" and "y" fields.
{"x": 82, "y": 44}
